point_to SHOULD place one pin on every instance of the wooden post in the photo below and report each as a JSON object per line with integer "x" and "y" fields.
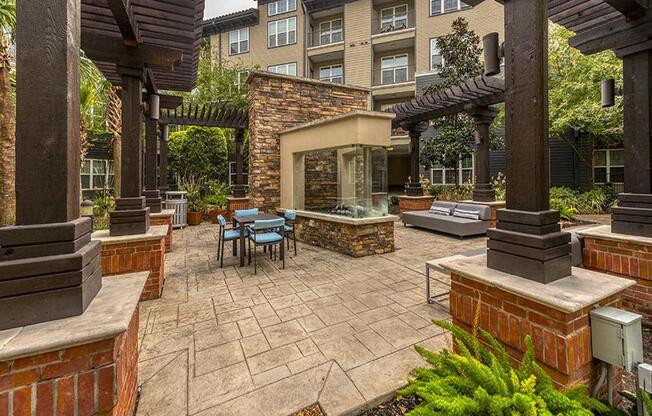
{"x": 131, "y": 216}
{"x": 152, "y": 194}
{"x": 239, "y": 189}
{"x": 414, "y": 188}
{"x": 483, "y": 190}
{"x": 634, "y": 214}
{"x": 163, "y": 160}
{"x": 528, "y": 241}
{"x": 48, "y": 263}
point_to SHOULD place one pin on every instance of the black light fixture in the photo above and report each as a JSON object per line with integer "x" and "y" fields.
{"x": 609, "y": 92}
{"x": 154, "y": 106}
{"x": 492, "y": 54}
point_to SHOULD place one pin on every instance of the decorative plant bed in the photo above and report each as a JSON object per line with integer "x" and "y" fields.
{"x": 395, "y": 407}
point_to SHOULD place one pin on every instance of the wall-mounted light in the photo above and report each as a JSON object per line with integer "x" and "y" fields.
{"x": 476, "y": 137}
{"x": 154, "y": 107}
{"x": 493, "y": 52}
{"x": 609, "y": 92}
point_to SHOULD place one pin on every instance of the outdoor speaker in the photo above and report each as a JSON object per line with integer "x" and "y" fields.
{"x": 154, "y": 106}
{"x": 608, "y": 93}
{"x": 491, "y": 54}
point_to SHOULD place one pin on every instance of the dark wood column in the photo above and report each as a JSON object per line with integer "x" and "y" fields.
{"x": 528, "y": 241}
{"x": 239, "y": 189}
{"x": 163, "y": 160}
{"x": 131, "y": 216}
{"x": 634, "y": 214}
{"x": 49, "y": 268}
{"x": 483, "y": 117}
{"x": 414, "y": 188}
{"x": 152, "y": 193}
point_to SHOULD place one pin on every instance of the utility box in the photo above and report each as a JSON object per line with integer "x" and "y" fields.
{"x": 616, "y": 337}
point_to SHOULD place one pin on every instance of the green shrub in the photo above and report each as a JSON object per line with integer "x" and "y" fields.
{"x": 597, "y": 201}
{"x": 477, "y": 381}
{"x": 195, "y": 202}
{"x": 500, "y": 187}
{"x": 453, "y": 193}
{"x": 217, "y": 194}
{"x": 198, "y": 154}
{"x": 566, "y": 212}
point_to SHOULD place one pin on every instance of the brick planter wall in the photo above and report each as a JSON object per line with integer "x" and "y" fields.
{"x": 168, "y": 220}
{"x": 85, "y": 380}
{"x": 625, "y": 259}
{"x": 562, "y": 340}
{"x": 353, "y": 240}
{"x": 235, "y": 204}
{"x": 278, "y": 102}
{"x": 415, "y": 203}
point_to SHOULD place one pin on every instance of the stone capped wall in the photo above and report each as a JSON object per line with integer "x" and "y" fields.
{"x": 278, "y": 102}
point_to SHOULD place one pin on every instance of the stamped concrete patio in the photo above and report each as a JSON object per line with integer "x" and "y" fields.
{"x": 329, "y": 328}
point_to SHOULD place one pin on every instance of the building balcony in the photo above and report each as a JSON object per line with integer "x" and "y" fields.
{"x": 394, "y": 82}
{"x": 326, "y": 51}
{"x": 399, "y": 21}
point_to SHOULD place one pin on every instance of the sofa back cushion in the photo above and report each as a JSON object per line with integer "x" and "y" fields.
{"x": 442, "y": 208}
{"x": 477, "y": 212}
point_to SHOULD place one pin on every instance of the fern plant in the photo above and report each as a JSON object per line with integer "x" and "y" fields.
{"x": 480, "y": 381}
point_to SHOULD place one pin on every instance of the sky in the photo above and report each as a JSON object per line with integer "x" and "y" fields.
{"x": 220, "y": 7}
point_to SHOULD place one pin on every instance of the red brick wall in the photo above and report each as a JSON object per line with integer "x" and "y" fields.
{"x": 68, "y": 380}
{"x": 139, "y": 256}
{"x": 562, "y": 341}
{"x": 165, "y": 221}
{"x": 626, "y": 260}
{"x": 236, "y": 204}
{"x": 415, "y": 204}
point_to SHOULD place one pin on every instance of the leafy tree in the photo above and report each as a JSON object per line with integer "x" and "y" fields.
{"x": 198, "y": 154}
{"x": 453, "y": 140}
{"x": 574, "y": 90}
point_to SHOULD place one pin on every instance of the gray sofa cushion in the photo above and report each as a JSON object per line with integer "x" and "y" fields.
{"x": 485, "y": 211}
{"x": 450, "y": 206}
{"x": 461, "y": 227}
{"x": 472, "y": 215}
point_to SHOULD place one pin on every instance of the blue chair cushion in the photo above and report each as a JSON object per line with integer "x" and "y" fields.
{"x": 233, "y": 234}
{"x": 246, "y": 212}
{"x": 266, "y": 238}
{"x": 289, "y": 229}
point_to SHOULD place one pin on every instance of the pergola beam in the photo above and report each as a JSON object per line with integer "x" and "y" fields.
{"x": 631, "y": 9}
{"x": 125, "y": 19}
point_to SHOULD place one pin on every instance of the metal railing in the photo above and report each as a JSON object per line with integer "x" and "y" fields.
{"x": 394, "y": 75}
{"x": 395, "y": 23}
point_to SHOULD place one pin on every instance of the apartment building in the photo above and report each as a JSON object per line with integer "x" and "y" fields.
{"x": 389, "y": 46}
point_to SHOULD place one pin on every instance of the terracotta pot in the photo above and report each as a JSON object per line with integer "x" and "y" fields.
{"x": 194, "y": 218}
{"x": 214, "y": 213}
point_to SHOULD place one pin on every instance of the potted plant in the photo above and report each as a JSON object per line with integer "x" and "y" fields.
{"x": 195, "y": 204}
{"x": 216, "y": 200}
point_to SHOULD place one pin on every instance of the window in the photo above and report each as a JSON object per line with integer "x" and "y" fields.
{"x": 239, "y": 41}
{"x": 332, "y": 73}
{"x": 436, "y": 60}
{"x": 232, "y": 175}
{"x": 445, "y": 6}
{"x": 394, "y": 18}
{"x": 285, "y": 69}
{"x": 282, "y": 32}
{"x": 330, "y": 32}
{"x": 446, "y": 176}
{"x": 394, "y": 69}
{"x": 97, "y": 174}
{"x": 241, "y": 78}
{"x": 609, "y": 166}
{"x": 281, "y": 6}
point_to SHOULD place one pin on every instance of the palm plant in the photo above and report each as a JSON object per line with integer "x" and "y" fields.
{"x": 7, "y": 116}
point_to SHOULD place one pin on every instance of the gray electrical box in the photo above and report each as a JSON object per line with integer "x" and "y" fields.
{"x": 616, "y": 337}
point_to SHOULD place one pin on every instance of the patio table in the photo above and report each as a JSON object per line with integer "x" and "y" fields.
{"x": 242, "y": 221}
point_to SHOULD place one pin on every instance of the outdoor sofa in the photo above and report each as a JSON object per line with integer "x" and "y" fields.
{"x": 462, "y": 220}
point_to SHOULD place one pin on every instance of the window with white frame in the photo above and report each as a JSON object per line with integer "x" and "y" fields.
{"x": 330, "y": 32}
{"x": 239, "y": 41}
{"x": 332, "y": 73}
{"x": 609, "y": 166}
{"x": 394, "y": 69}
{"x": 282, "y": 32}
{"x": 241, "y": 78}
{"x": 281, "y": 6}
{"x": 97, "y": 174}
{"x": 285, "y": 69}
{"x": 440, "y": 175}
{"x": 446, "y": 6}
{"x": 233, "y": 174}
{"x": 394, "y": 18}
{"x": 436, "y": 60}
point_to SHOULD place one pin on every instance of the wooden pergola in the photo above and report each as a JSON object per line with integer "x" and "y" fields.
{"x": 221, "y": 115}
{"x": 473, "y": 96}
{"x": 49, "y": 259}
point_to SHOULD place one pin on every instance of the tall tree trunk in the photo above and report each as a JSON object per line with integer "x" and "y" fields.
{"x": 7, "y": 140}
{"x": 114, "y": 121}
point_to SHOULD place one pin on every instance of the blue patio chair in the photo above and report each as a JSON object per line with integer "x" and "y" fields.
{"x": 246, "y": 212}
{"x": 226, "y": 235}
{"x": 290, "y": 220}
{"x": 267, "y": 233}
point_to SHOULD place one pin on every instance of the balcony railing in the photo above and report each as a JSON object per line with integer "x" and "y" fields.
{"x": 393, "y": 23}
{"x": 394, "y": 75}
{"x": 316, "y": 38}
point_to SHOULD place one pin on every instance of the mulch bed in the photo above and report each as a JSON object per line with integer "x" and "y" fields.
{"x": 395, "y": 407}
{"x": 313, "y": 410}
